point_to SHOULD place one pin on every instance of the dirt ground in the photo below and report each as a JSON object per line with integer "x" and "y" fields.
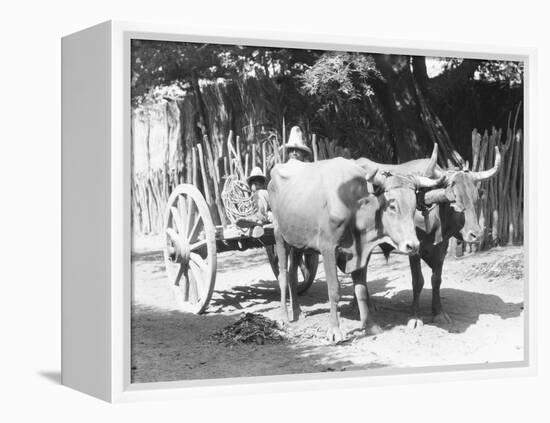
{"x": 482, "y": 293}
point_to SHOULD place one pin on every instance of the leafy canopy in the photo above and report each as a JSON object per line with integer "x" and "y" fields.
{"x": 167, "y": 69}
{"x": 335, "y": 74}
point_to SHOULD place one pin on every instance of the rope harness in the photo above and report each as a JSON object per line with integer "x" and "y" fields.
{"x": 421, "y": 205}
{"x": 237, "y": 200}
{"x": 400, "y": 181}
{"x": 423, "y": 208}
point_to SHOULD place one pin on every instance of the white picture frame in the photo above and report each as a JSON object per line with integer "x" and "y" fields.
{"x": 96, "y": 238}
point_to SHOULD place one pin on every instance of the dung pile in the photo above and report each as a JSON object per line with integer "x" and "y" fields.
{"x": 251, "y": 327}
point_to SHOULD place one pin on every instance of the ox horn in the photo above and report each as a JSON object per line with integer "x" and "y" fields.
{"x": 371, "y": 174}
{"x": 430, "y": 169}
{"x": 376, "y": 178}
{"x": 424, "y": 182}
{"x": 440, "y": 195}
{"x": 487, "y": 174}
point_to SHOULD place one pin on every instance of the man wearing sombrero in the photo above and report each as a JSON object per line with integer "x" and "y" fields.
{"x": 257, "y": 183}
{"x": 295, "y": 149}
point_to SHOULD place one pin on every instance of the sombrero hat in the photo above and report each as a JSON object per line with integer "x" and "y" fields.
{"x": 296, "y": 140}
{"x": 256, "y": 174}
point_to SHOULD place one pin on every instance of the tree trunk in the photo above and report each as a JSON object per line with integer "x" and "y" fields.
{"x": 404, "y": 98}
{"x": 434, "y": 127}
{"x": 398, "y": 102}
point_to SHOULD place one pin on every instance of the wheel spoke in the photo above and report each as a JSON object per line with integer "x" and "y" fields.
{"x": 195, "y": 282}
{"x": 193, "y": 235}
{"x": 181, "y": 272}
{"x": 182, "y": 280}
{"x": 199, "y": 262}
{"x": 198, "y": 245}
{"x": 190, "y": 235}
{"x": 182, "y": 208}
{"x": 193, "y": 296}
{"x": 176, "y": 218}
{"x": 190, "y": 218}
{"x": 201, "y": 276}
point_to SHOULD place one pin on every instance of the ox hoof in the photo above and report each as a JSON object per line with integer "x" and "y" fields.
{"x": 334, "y": 334}
{"x": 295, "y": 315}
{"x": 373, "y": 329}
{"x": 415, "y": 323}
{"x": 283, "y": 322}
{"x": 442, "y": 319}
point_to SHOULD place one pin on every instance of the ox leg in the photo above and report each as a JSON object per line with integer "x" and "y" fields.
{"x": 439, "y": 316}
{"x": 370, "y": 303}
{"x": 363, "y": 300}
{"x": 293, "y": 283}
{"x": 361, "y": 295}
{"x": 418, "y": 283}
{"x": 354, "y": 305}
{"x": 334, "y": 334}
{"x": 282, "y": 255}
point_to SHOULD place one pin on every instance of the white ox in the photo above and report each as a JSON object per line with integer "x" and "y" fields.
{"x": 326, "y": 206}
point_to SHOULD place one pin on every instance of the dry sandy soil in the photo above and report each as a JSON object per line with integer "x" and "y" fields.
{"x": 482, "y": 293}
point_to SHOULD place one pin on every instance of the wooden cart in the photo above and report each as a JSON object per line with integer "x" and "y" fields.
{"x": 191, "y": 244}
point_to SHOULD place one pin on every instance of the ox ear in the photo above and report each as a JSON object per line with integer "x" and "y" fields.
{"x": 350, "y": 191}
{"x": 365, "y": 216}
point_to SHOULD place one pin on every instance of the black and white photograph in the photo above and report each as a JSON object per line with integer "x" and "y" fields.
{"x": 243, "y": 211}
{"x": 300, "y": 211}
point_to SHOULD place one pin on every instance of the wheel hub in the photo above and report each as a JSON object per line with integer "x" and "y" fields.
{"x": 179, "y": 252}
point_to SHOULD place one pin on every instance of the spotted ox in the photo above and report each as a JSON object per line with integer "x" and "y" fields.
{"x": 452, "y": 211}
{"x": 326, "y": 206}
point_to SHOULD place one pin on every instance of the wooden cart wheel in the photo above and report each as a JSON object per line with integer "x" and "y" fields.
{"x": 308, "y": 267}
{"x": 189, "y": 248}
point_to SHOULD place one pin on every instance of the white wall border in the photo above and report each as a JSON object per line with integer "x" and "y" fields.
{"x": 120, "y": 289}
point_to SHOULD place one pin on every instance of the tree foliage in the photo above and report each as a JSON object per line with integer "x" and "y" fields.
{"x": 169, "y": 68}
{"x": 507, "y": 72}
{"x": 392, "y": 107}
{"x": 340, "y": 74}
{"x": 162, "y": 64}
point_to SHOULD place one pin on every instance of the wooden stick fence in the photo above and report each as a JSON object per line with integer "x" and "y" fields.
{"x": 211, "y": 163}
{"x": 502, "y": 203}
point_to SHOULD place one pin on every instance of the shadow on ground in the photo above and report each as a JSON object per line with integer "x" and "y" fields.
{"x": 464, "y": 307}
{"x": 229, "y": 261}
{"x": 172, "y": 345}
